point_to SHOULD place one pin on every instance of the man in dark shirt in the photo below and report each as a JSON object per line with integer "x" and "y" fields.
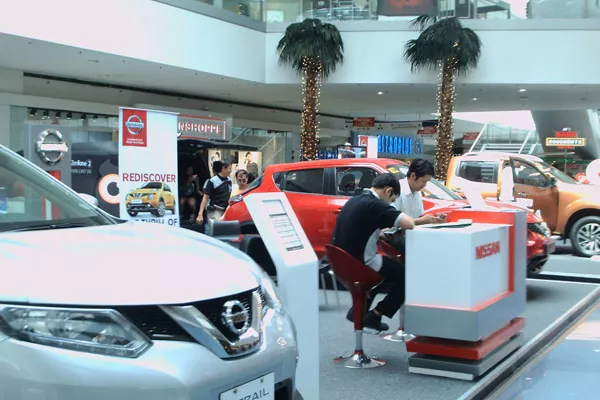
{"x": 357, "y": 230}
{"x": 217, "y": 191}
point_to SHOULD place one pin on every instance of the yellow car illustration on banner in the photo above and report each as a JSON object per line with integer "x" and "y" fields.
{"x": 153, "y": 197}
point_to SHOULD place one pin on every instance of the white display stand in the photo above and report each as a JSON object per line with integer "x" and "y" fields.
{"x": 469, "y": 266}
{"x": 297, "y": 278}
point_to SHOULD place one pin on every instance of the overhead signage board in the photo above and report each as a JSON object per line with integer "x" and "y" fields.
{"x": 189, "y": 127}
{"x": 567, "y": 142}
{"x": 363, "y": 122}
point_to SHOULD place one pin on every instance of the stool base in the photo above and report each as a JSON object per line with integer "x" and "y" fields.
{"x": 359, "y": 360}
{"x": 398, "y": 336}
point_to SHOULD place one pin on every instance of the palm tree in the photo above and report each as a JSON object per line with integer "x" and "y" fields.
{"x": 444, "y": 45}
{"x": 314, "y": 50}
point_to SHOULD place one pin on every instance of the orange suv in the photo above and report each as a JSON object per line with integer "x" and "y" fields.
{"x": 570, "y": 209}
{"x": 317, "y": 190}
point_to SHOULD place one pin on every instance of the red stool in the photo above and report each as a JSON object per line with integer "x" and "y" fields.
{"x": 400, "y": 335}
{"x": 390, "y": 251}
{"x": 359, "y": 279}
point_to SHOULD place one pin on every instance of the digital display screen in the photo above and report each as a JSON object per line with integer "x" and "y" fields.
{"x": 283, "y": 225}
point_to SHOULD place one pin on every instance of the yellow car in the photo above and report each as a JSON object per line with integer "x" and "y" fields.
{"x": 154, "y": 197}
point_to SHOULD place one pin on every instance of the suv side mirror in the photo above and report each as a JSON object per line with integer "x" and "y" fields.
{"x": 553, "y": 181}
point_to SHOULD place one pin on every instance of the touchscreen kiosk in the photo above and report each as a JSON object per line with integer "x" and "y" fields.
{"x": 297, "y": 276}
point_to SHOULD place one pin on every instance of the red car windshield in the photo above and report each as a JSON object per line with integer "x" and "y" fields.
{"x": 433, "y": 190}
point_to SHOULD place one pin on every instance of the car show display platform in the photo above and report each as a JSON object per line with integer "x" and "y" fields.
{"x": 547, "y": 303}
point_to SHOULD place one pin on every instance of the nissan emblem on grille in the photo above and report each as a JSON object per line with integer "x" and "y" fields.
{"x": 235, "y": 316}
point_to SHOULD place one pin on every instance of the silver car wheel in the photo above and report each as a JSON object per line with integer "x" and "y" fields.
{"x": 161, "y": 209}
{"x": 588, "y": 238}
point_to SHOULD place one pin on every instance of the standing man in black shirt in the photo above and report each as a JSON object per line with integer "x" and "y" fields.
{"x": 357, "y": 230}
{"x": 217, "y": 191}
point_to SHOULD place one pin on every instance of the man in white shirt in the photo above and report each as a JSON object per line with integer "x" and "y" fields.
{"x": 420, "y": 172}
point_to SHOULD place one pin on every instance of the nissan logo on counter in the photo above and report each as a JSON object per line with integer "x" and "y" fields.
{"x": 51, "y": 146}
{"x": 134, "y": 125}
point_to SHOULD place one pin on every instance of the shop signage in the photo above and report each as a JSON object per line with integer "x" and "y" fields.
{"x": 566, "y": 133}
{"x": 363, "y": 122}
{"x": 565, "y": 142}
{"x": 148, "y": 166}
{"x": 399, "y": 145}
{"x": 427, "y": 130}
{"x": 201, "y": 128}
{"x": 51, "y": 146}
{"x": 469, "y": 138}
{"x": 406, "y": 7}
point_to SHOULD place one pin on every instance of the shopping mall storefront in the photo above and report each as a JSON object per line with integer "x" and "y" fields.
{"x": 84, "y": 147}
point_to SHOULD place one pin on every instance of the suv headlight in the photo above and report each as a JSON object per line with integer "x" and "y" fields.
{"x": 272, "y": 298}
{"x": 104, "y": 332}
{"x": 150, "y": 196}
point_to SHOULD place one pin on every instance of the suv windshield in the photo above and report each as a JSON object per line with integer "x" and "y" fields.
{"x": 555, "y": 172}
{"x": 31, "y": 199}
{"x": 433, "y": 190}
{"x": 152, "y": 185}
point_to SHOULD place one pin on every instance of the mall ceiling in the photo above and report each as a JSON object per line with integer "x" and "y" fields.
{"x": 383, "y": 102}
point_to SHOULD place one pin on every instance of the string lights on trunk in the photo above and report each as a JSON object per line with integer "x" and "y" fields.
{"x": 311, "y": 93}
{"x": 446, "y": 98}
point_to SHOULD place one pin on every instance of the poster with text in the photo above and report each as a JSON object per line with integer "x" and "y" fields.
{"x": 148, "y": 166}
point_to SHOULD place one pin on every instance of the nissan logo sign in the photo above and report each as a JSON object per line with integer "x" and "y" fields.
{"x": 134, "y": 124}
{"x": 51, "y": 147}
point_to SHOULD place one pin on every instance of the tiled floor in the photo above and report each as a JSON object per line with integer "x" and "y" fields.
{"x": 569, "y": 369}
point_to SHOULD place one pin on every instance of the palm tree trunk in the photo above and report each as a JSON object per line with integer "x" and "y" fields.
{"x": 446, "y": 102}
{"x": 310, "y": 110}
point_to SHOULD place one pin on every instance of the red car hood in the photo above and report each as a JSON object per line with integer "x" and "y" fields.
{"x": 458, "y": 204}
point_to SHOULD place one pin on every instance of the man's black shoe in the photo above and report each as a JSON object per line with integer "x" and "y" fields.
{"x": 373, "y": 321}
{"x": 350, "y": 314}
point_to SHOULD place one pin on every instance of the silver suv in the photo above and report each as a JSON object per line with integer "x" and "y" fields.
{"x": 96, "y": 308}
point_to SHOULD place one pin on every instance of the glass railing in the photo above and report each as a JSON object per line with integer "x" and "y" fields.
{"x": 385, "y": 10}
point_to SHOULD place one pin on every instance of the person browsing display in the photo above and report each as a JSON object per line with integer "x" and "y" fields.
{"x": 358, "y": 228}
{"x": 410, "y": 202}
{"x": 217, "y": 191}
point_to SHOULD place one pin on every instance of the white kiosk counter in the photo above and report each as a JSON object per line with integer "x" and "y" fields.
{"x": 297, "y": 279}
{"x": 465, "y": 290}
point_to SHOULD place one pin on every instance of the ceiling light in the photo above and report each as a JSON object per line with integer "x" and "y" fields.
{"x": 474, "y": 98}
{"x": 522, "y": 90}
{"x": 380, "y": 93}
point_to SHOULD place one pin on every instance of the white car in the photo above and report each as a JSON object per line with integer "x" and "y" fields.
{"x": 96, "y": 308}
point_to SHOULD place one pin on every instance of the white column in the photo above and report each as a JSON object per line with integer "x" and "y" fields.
{"x": 5, "y": 125}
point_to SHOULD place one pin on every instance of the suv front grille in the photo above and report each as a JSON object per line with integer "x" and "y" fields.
{"x": 213, "y": 310}
{"x": 155, "y": 323}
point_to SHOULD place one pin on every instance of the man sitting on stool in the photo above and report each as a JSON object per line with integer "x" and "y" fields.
{"x": 357, "y": 230}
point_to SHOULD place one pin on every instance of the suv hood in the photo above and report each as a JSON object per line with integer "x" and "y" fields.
{"x": 124, "y": 264}
{"x": 583, "y": 190}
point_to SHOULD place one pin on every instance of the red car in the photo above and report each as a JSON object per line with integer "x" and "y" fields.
{"x": 318, "y": 190}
